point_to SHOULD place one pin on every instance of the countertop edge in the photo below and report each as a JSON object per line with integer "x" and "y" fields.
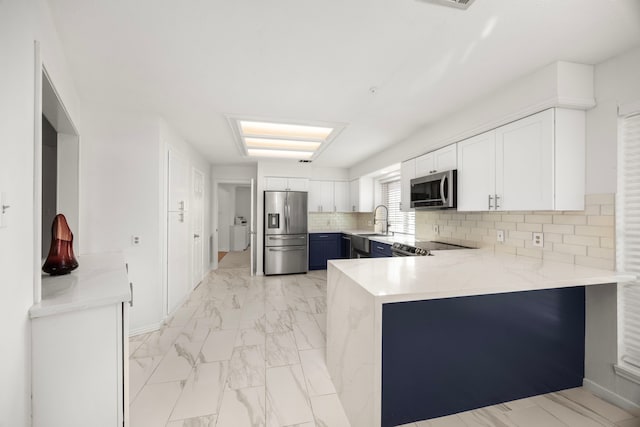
{"x": 100, "y": 280}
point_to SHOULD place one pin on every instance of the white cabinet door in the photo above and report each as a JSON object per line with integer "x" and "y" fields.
{"x": 425, "y": 164}
{"x": 361, "y": 195}
{"x": 354, "y": 195}
{"x": 315, "y": 196}
{"x": 275, "y": 183}
{"x": 321, "y": 196}
{"x": 298, "y": 184}
{"x": 524, "y": 163}
{"x": 278, "y": 183}
{"x": 407, "y": 173}
{"x": 476, "y": 173}
{"x": 341, "y": 196}
{"x": 445, "y": 158}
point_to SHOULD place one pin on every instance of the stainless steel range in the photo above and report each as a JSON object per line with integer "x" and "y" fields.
{"x": 422, "y": 248}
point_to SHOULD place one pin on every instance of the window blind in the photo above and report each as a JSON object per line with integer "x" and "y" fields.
{"x": 628, "y": 240}
{"x": 401, "y": 222}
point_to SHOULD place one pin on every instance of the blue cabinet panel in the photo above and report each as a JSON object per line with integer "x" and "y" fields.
{"x": 322, "y": 247}
{"x": 445, "y": 356}
{"x": 380, "y": 250}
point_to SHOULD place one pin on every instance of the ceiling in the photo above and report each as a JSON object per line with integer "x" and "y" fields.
{"x": 195, "y": 62}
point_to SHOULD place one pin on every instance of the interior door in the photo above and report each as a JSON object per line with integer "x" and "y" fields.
{"x": 252, "y": 230}
{"x": 178, "y": 244}
{"x": 197, "y": 226}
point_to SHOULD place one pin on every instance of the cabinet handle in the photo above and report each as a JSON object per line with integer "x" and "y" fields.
{"x": 497, "y": 198}
{"x": 131, "y": 288}
{"x": 380, "y": 248}
{"x": 335, "y": 209}
{"x": 490, "y": 199}
{"x": 353, "y": 208}
{"x": 323, "y": 237}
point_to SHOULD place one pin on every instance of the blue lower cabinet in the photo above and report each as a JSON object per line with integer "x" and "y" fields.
{"x": 380, "y": 250}
{"x": 323, "y": 247}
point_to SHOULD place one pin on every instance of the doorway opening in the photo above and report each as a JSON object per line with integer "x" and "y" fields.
{"x": 234, "y": 205}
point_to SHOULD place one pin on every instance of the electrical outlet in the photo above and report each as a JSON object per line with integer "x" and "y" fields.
{"x": 500, "y": 236}
{"x": 538, "y": 240}
{"x": 135, "y": 240}
{"x": 369, "y": 223}
{"x": 436, "y": 229}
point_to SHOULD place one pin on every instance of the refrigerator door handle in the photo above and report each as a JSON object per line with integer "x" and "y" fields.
{"x": 286, "y": 213}
{"x": 288, "y": 249}
{"x": 285, "y": 237}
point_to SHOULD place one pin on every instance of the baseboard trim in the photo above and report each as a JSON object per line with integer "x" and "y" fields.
{"x": 611, "y": 397}
{"x": 145, "y": 329}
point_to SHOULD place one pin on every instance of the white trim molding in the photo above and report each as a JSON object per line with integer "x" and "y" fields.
{"x": 627, "y": 373}
{"x": 629, "y": 108}
{"x": 611, "y": 397}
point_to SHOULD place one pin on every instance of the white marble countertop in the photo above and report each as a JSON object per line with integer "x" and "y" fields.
{"x": 465, "y": 272}
{"x": 100, "y": 279}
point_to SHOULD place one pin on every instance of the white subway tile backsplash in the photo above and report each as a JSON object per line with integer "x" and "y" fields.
{"x": 570, "y": 219}
{"x": 592, "y": 230}
{"x": 580, "y": 237}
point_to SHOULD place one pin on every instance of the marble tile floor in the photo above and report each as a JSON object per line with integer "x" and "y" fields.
{"x": 245, "y": 351}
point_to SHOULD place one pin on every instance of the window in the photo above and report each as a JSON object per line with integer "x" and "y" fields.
{"x": 628, "y": 245}
{"x": 401, "y": 222}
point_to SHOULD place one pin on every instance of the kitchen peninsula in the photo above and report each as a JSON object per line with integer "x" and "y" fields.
{"x": 422, "y": 337}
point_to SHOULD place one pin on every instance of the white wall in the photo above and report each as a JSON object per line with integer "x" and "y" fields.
{"x": 22, "y": 22}
{"x": 121, "y": 186}
{"x": 123, "y": 194}
{"x": 558, "y": 84}
{"x": 616, "y": 82}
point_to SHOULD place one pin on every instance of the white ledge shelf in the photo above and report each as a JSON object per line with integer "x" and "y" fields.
{"x": 101, "y": 279}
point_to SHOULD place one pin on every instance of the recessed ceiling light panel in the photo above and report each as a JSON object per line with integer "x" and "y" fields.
{"x": 458, "y": 4}
{"x": 264, "y": 138}
{"x": 284, "y": 154}
{"x": 284, "y": 130}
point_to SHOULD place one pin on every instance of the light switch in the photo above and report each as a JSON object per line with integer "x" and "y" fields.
{"x": 4, "y": 207}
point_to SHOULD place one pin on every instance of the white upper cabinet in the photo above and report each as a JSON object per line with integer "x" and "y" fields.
{"x": 407, "y": 173}
{"x": 329, "y": 196}
{"x": 321, "y": 196}
{"x": 341, "y": 196}
{"x": 476, "y": 172}
{"x": 536, "y": 163}
{"x": 277, "y": 183}
{"x": 437, "y": 161}
{"x": 361, "y": 195}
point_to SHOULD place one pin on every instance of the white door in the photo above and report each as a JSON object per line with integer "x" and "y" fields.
{"x": 178, "y": 243}
{"x": 298, "y": 184}
{"x": 252, "y": 229}
{"x": 197, "y": 226}
{"x": 275, "y": 183}
{"x": 476, "y": 173}
{"x": 524, "y": 163}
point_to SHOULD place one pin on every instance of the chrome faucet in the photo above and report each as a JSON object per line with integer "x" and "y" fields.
{"x": 385, "y": 224}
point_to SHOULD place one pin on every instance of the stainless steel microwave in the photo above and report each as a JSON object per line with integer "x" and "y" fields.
{"x": 437, "y": 191}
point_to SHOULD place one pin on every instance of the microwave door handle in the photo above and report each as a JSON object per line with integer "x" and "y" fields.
{"x": 442, "y": 184}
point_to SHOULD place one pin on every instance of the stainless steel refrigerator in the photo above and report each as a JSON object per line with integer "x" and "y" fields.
{"x": 285, "y": 232}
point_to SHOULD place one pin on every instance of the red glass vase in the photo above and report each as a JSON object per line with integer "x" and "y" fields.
{"x": 60, "y": 259}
